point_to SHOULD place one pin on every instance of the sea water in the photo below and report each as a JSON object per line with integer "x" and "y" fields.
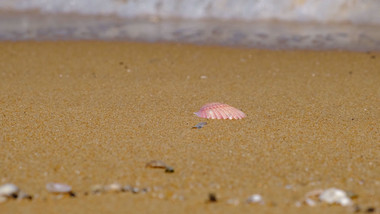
{"x": 311, "y": 24}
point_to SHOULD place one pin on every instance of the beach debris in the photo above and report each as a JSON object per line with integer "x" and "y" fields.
{"x": 135, "y": 190}
{"x": 199, "y": 125}
{"x": 255, "y": 198}
{"x": 329, "y": 196}
{"x": 12, "y": 191}
{"x": 335, "y": 196}
{"x": 219, "y": 111}
{"x": 203, "y": 77}
{"x": 9, "y": 190}
{"x": 114, "y": 187}
{"x": 97, "y": 189}
{"x": 169, "y": 169}
{"x": 160, "y": 164}
{"x": 59, "y": 188}
{"x": 311, "y": 198}
{"x": 370, "y": 209}
{"x": 145, "y": 190}
{"x": 156, "y": 164}
{"x": 127, "y": 188}
{"x": 23, "y": 195}
{"x": 212, "y": 198}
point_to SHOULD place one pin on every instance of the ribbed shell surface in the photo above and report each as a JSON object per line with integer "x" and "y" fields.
{"x": 219, "y": 111}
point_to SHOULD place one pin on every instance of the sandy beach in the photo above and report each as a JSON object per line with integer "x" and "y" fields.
{"x": 88, "y": 113}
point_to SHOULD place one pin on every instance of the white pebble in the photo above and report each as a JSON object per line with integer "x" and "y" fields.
{"x": 310, "y": 202}
{"x": 256, "y": 198}
{"x": 8, "y": 190}
{"x": 203, "y": 77}
{"x": 115, "y": 187}
{"x": 335, "y": 196}
{"x": 58, "y": 188}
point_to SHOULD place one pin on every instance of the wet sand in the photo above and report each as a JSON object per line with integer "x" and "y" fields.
{"x": 86, "y": 113}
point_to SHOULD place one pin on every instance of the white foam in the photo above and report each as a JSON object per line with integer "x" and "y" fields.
{"x": 363, "y": 12}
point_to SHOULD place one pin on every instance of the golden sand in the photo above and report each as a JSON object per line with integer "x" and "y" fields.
{"x": 86, "y": 113}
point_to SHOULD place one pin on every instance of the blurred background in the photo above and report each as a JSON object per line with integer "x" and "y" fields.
{"x": 274, "y": 24}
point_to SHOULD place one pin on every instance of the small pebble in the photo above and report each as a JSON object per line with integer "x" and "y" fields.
{"x": 335, "y": 196}
{"x": 199, "y": 125}
{"x": 310, "y": 202}
{"x": 9, "y": 190}
{"x": 58, "y": 188}
{"x": 351, "y": 195}
{"x": 212, "y": 197}
{"x": 160, "y": 164}
{"x": 169, "y": 169}
{"x": 256, "y": 198}
{"x": 22, "y": 195}
{"x": 127, "y": 188}
{"x": 135, "y": 190}
{"x": 145, "y": 190}
{"x": 370, "y": 209}
{"x": 95, "y": 189}
{"x": 203, "y": 77}
{"x": 115, "y": 187}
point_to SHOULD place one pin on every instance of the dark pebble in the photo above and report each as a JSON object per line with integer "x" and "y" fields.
{"x": 212, "y": 197}
{"x": 370, "y": 209}
{"x": 169, "y": 169}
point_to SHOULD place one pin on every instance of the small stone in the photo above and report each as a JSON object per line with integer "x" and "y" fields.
{"x": 9, "y": 190}
{"x": 96, "y": 189}
{"x": 145, "y": 190}
{"x": 169, "y": 169}
{"x": 370, "y": 209}
{"x": 256, "y": 198}
{"x": 22, "y": 195}
{"x": 335, "y": 196}
{"x": 351, "y": 195}
{"x": 199, "y": 125}
{"x": 203, "y": 77}
{"x": 310, "y": 202}
{"x": 115, "y": 187}
{"x": 127, "y": 188}
{"x": 160, "y": 164}
{"x": 135, "y": 190}
{"x": 212, "y": 197}
{"x": 58, "y": 188}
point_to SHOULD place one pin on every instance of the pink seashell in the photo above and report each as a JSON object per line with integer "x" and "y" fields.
{"x": 219, "y": 111}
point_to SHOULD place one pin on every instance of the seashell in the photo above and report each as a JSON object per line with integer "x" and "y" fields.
{"x": 9, "y": 190}
{"x": 219, "y": 111}
{"x": 58, "y": 188}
